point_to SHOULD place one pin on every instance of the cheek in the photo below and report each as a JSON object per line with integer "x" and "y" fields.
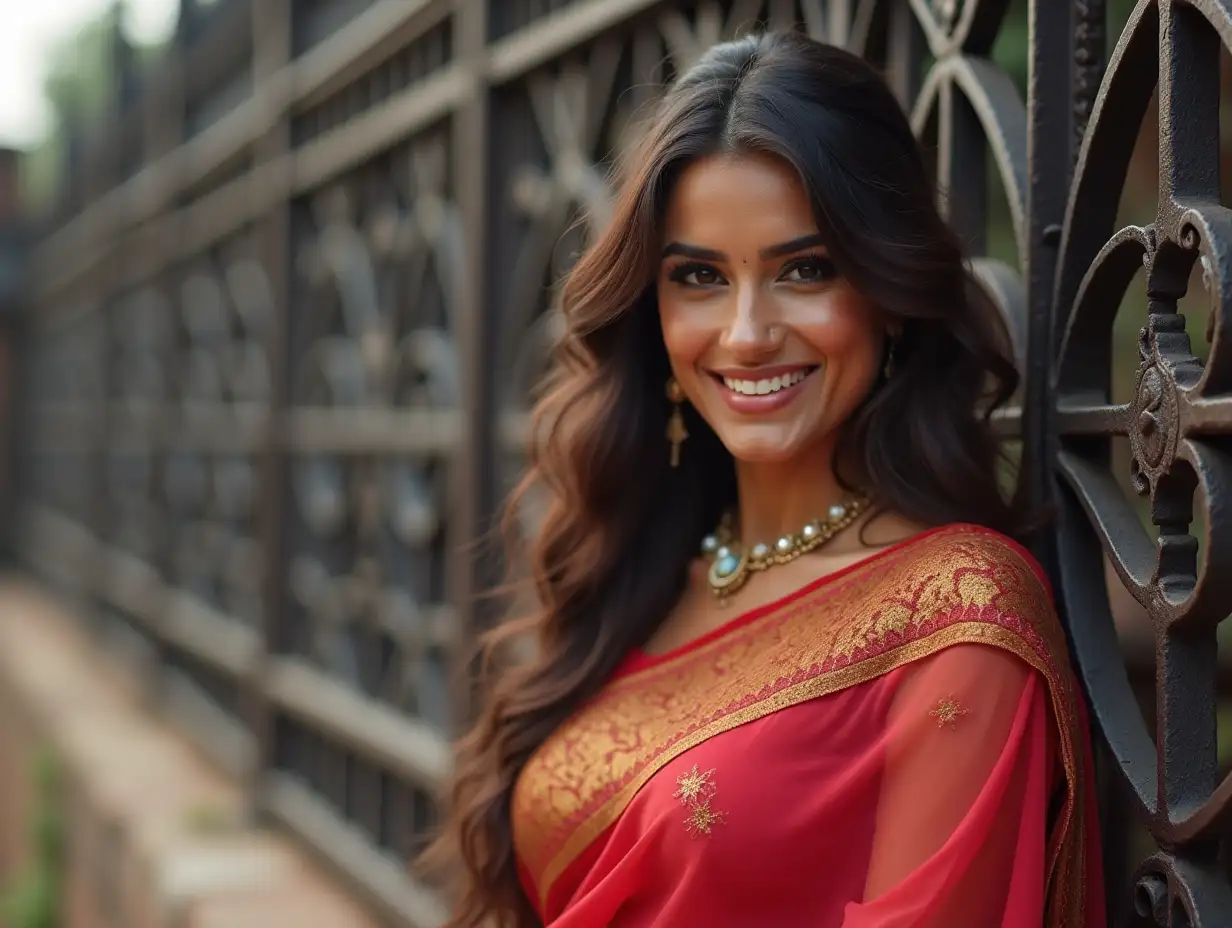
{"x": 847, "y": 333}
{"x": 685, "y": 334}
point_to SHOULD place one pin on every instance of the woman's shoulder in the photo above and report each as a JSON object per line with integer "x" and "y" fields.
{"x": 957, "y": 583}
{"x": 964, "y": 550}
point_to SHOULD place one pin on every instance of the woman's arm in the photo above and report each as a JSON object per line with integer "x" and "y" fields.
{"x": 960, "y": 825}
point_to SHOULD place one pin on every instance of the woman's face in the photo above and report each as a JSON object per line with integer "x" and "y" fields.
{"x": 771, "y": 346}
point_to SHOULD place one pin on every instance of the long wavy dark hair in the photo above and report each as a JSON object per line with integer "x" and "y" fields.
{"x": 620, "y": 526}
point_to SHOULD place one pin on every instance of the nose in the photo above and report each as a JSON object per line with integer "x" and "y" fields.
{"x": 752, "y": 333}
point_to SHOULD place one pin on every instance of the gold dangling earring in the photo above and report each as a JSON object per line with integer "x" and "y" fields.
{"x": 676, "y": 431}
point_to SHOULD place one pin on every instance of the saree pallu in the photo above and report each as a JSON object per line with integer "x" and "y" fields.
{"x": 899, "y": 744}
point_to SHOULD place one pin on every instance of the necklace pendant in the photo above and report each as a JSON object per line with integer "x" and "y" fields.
{"x": 728, "y": 572}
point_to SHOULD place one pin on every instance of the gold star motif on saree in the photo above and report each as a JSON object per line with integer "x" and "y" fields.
{"x": 693, "y": 786}
{"x": 948, "y": 712}
{"x": 702, "y": 818}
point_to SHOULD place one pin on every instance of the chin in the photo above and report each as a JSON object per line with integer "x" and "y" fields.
{"x": 761, "y": 449}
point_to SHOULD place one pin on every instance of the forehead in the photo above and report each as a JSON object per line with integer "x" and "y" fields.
{"x": 734, "y": 202}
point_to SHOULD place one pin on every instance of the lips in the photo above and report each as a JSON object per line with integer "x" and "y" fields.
{"x": 762, "y": 390}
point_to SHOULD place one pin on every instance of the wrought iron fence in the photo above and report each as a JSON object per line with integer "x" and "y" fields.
{"x": 281, "y": 339}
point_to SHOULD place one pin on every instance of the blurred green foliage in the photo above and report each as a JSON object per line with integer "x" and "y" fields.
{"x": 33, "y": 898}
{"x": 79, "y": 81}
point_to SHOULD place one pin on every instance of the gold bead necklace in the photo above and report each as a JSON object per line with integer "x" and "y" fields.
{"x": 731, "y": 566}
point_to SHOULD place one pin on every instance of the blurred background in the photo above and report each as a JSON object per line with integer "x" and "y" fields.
{"x": 276, "y": 278}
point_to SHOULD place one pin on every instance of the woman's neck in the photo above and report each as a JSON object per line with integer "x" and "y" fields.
{"x": 779, "y": 498}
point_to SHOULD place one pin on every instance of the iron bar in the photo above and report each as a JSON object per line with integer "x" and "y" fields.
{"x": 399, "y": 744}
{"x": 401, "y": 900}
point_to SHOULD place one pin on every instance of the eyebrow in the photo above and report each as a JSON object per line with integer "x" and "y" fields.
{"x": 773, "y": 251}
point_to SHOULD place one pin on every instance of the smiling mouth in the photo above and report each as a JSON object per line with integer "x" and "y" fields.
{"x": 766, "y": 386}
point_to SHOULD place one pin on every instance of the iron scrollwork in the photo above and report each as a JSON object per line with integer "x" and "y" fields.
{"x": 1173, "y": 422}
{"x": 369, "y": 575}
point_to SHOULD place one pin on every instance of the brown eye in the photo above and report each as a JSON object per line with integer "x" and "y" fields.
{"x": 695, "y": 275}
{"x": 809, "y": 270}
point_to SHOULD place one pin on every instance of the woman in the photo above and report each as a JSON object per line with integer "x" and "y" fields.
{"x": 788, "y": 668}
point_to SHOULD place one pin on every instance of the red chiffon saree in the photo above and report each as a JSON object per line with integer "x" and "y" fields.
{"x": 898, "y": 744}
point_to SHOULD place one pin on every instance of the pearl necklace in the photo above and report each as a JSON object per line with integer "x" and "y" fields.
{"x": 730, "y": 567}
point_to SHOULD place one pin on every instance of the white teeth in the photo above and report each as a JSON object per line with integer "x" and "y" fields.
{"x": 763, "y": 387}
